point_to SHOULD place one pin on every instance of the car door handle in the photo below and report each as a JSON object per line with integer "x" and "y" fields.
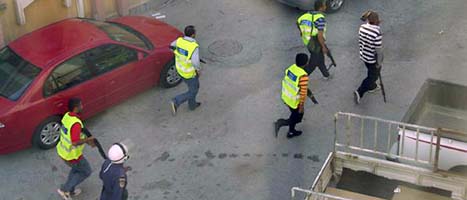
{"x": 59, "y": 104}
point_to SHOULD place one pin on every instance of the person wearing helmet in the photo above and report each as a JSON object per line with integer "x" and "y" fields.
{"x": 113, "y": 173}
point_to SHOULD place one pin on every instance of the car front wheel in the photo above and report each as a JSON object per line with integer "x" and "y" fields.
{"x": 47, "y": 133}
{"x": 334, "y": 5}
{"x": 169, "y": 75}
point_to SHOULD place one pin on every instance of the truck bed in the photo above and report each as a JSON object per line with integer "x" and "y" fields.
{"x": 439, "y": 104}
{"x": 376, "y": 186}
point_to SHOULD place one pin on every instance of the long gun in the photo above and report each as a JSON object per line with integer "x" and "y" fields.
{"x": 382, "y": 85}
{"x": 333, "y": 62}
{"x": 97, "y": 143}
{"x": 311, "y": 96}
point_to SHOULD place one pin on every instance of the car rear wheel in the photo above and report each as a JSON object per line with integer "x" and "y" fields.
{"x": 169, "y": 75}
{"x": 334, "y": 5}
{"x": 47, "y": 133}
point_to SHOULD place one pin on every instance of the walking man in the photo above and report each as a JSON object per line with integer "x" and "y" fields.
{"x": 187, "y": 63}
{"x": 294, "y": 91}
{"x": 70, "y": 149}
{"x": 113, "y": 174}
{"x": 312, "y": 26}
{"x": 370, "y": 43}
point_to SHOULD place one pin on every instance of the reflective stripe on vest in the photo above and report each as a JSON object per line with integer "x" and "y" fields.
{"x": 290, "y": 89}
{"x": 183, "y": 51}
{"x": 65, "y": 148}
{"x": 306, "y": 22}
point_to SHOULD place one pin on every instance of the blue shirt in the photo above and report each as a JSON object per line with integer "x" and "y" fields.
{"x": 114, "y": 178}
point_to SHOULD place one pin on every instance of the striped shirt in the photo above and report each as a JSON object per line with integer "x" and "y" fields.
{"x": 303, "y": 84}
{"x": 320, "y": 23}
{"x": 370, "y": 38}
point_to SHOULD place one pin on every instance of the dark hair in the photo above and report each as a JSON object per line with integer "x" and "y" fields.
{"x": 373, "y": 18}
{"x": 318, "y": 4}
{"x": 190, "y": 30}
{"x": 73, "y": 103}
{"x": 301, "y": 59}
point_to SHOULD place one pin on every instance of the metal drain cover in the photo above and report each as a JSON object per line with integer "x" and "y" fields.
{"x": 225, "y": 48}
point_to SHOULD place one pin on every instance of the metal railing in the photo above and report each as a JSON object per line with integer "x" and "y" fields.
{"x": 394, "y": 128}
{"x": 311, "y": 195}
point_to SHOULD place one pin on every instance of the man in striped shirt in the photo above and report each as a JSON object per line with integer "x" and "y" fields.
{"x": 370, "y": 43}
{"x": 294, "y": 93}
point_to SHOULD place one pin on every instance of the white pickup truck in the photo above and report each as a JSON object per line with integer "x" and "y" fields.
{"x": 358, "y": 168}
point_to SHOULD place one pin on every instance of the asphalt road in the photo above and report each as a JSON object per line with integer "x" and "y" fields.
{"x": 226, "y": 149}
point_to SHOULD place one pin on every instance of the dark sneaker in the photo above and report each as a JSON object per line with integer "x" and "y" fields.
{"x": 174, "y": 108}
{"x": 76, "y": 192}
{"x": 294, "y": 134}
{"x": 376, "y": 89}
{"x": 198, "y": 104}
{"x": 356, "y": 97}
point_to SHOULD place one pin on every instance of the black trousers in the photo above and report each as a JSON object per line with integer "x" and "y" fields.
{"x": 317, "y": 60}
{"x": 294, "y": 118}
{"x": 369, "y": 82}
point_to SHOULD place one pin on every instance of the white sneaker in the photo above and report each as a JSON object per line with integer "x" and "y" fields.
{"x": 376, "y": 89}
{"x": 64, "y": 195}
{"x": 356, "y": 97}
{"x": 76, "y": 192}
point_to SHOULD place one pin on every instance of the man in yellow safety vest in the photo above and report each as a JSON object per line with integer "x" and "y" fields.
{"x": 312, "y": 26}
{"x": 70, "y": 149}
{"x": 187, "y": 63}
{"x": 294, "y": 93}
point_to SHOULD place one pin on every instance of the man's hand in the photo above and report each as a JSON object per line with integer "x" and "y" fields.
{"x": 198, "y": 72}
{"x": 90, "y": 141}
{"x": 300, "y": 108}
{"x": 378, "y": 66}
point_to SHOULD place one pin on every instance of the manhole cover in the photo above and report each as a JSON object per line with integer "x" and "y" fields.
{"x": 225, "y": 48}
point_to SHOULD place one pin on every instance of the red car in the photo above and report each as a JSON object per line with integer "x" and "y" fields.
{"x": 103, "y": 63}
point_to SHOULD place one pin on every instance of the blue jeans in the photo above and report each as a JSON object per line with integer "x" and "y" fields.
{"x": 190, "y": 95}
{"x": 79, "y": 172}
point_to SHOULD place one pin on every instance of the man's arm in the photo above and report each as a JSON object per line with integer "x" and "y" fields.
{"x": 378, "y": 44}
{"x": 118, "y": 187}
{"x": 321, "y": 25}
{"x": 303, "y": 84}
{"x": 75, "y": 135}
{"x": 195, "y": 59}
{"x": 173, "y": 45}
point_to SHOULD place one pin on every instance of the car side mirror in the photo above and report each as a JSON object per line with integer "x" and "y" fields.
{"x": 140, "y": 55}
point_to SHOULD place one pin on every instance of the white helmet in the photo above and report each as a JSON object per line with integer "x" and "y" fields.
{"x": 118, "y": 153}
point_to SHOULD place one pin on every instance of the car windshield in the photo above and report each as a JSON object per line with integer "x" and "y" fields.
{"x": 121, "y": 34}
{"x": 16, "y": 74}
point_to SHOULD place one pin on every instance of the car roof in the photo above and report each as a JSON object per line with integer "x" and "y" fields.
{"x": 45, "y": 46}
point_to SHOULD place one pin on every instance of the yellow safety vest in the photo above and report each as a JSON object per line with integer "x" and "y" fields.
{"x": 306, "y": 22}
{"x": 290, "y": 89}
{"x": 65, "y": 148}
{"x": 183, "y": 51}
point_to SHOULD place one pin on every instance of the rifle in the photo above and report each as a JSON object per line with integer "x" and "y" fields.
{"x": 382, "y": 86}
{"x": 311, "y": 96}
{"x": 97, "y": 143}
{"x": 333, "y": 62}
